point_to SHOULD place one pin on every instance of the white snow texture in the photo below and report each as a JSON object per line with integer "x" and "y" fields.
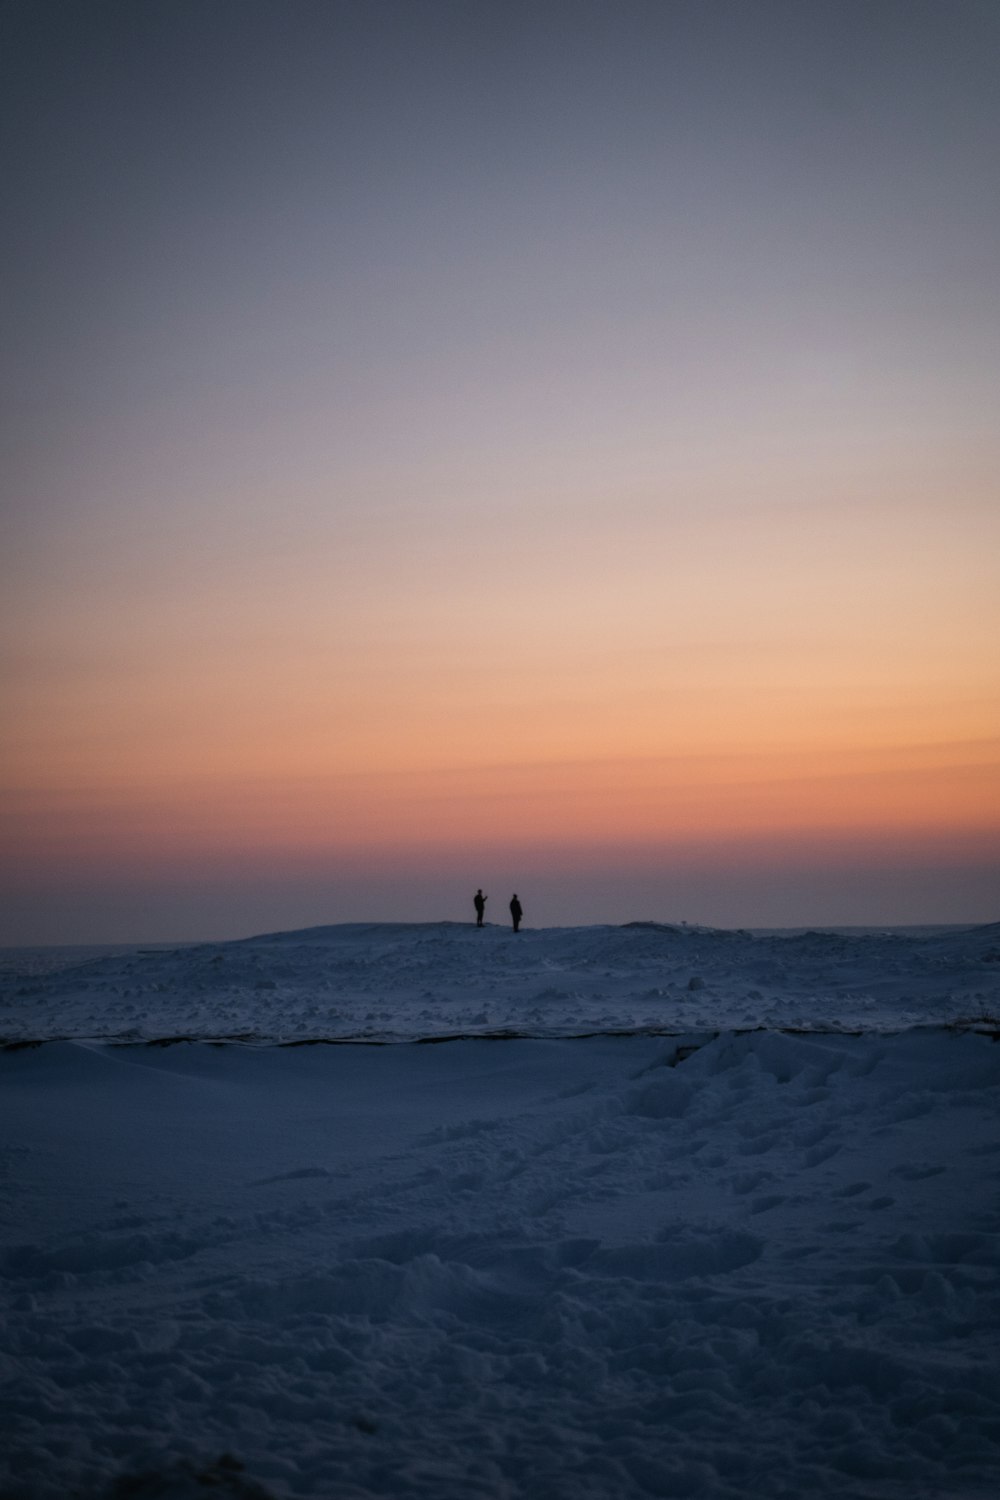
{"x": 665, "y": 1212}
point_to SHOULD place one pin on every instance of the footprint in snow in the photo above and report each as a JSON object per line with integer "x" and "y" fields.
{"x": 912, "y": 1171}
{"x": 758, "y": 1146}
{"x": 296, "y": 1176}
{"x": 815, "y": 1136}
{"x": 748, "y": 1183}
{"x": 819, "y": 1155}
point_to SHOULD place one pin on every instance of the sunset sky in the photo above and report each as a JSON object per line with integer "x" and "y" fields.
{"x": 549, "y": 445}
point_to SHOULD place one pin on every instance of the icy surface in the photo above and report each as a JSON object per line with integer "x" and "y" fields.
{"x": 386, "y": 980}
{"x": 754, "y": 1253}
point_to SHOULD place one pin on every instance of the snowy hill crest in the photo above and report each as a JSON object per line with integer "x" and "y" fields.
{"x": 402, "y": 981}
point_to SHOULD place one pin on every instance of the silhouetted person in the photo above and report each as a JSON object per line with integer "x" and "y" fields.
{"x": 479, "y": 902}
{"x": 516, "y": 911}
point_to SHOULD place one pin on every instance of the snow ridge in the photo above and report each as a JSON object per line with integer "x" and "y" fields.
{"x": 406, "y": 980}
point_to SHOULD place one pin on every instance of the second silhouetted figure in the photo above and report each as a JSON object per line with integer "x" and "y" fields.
{"x": 516, "y": 911}
{"x": 479, "y": 902}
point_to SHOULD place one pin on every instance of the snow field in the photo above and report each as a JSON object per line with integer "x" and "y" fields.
{"x": 715, "y": 1263}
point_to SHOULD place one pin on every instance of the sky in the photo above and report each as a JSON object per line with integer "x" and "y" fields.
{"x": 546, "y": 446}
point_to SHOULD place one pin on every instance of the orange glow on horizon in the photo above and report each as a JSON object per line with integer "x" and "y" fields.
{"x": 708, "y": 690}
{"x": 713, "y": 802}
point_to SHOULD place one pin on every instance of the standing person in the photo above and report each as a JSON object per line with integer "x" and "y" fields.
{"x": 516, "y": 911}
{"x": 479, "y": 902}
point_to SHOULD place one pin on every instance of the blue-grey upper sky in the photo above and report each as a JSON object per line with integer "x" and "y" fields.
{"x": 345, "y": 197}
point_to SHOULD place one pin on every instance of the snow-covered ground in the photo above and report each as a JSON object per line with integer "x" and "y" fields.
{"x": 665, "y": 1212}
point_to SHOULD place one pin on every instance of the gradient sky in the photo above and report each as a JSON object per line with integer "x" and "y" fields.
{"x": 550, "y": 446}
